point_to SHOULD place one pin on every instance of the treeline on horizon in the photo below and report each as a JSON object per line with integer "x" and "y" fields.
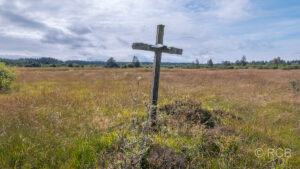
{"x": 276, "y": 63}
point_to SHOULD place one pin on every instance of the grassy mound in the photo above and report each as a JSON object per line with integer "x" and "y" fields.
{"x": 190, "y": 111}
{"x": 188, "y": 136}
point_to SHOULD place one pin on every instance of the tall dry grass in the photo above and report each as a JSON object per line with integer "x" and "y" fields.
{"x": 60, "y": 117}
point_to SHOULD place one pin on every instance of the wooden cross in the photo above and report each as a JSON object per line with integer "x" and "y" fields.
{"x": 158, "y": 48}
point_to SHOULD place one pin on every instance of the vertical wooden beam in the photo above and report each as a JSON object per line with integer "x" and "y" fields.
{"x": 155, "y": 76}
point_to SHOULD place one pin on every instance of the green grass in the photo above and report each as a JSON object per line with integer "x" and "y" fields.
{"x": 88, "y": 119}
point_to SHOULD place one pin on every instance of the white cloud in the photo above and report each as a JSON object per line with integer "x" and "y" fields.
{"x": 231, "y": 10}
{"x": 98, "y": 29}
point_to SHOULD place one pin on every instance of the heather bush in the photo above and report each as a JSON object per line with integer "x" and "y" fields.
{"x": 7, "y": 76}
{"x": 294, "y": 85}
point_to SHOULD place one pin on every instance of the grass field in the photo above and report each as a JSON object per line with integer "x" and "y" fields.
{"x": 90, "y": 118}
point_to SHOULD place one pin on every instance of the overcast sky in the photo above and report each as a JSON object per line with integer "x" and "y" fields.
{"x": 99, "y": 29}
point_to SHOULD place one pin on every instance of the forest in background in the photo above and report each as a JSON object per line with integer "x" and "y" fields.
{"x": 276, "y": 63}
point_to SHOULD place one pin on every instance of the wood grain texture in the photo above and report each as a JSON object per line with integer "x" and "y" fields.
{"x": 164, "y": 49}
{"x": 158, "y": 48}
{"x": 155, "y": 76}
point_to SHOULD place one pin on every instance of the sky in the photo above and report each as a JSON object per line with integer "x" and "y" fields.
{"x": 98, "y": 29}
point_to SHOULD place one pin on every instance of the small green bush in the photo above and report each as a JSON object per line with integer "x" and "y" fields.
{"x": 294, "y": 84}
{"x": 7, "y": 76}
{"x": 123, "y": 66}
{"x": 130, "y": 65}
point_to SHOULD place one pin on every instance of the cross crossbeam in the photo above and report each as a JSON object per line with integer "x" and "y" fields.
{"x": 158, "y": 48}
{"x": 153, "y": 48}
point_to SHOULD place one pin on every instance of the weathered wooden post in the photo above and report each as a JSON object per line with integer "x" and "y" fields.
{"x": 158, "y": 48}
{"x": 155, "y": 75}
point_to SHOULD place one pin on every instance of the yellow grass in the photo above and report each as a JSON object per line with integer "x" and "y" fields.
{"x": 50, "y": 109}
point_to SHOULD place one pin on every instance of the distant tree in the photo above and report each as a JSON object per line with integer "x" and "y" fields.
{"x": 111, "y": 63}
{"x": 277, "y": 61}
{"x": 47, "y": 60}
{"x": 197, "y": 63}
{"x": 226, "y": 63}
{"x": 252, "y": 63}
{"x": 210, "y": 63}
{"x": 136, "y": 61}
{"x": 53, "y": 65}
{"x": 243, "y": 61}
{"x": 70, "y": 65}
{"x": 238, "y": 63}
{"x": 34, "y": 64}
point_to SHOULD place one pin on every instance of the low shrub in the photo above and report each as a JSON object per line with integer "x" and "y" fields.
{"x": 294, "y": 84}
{"x": 7, "y": 76}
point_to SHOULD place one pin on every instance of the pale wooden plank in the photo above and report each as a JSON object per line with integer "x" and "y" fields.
{"x": 172, "y": 50}
{"x": 155, "y": 76}
{"x": 153, "y": 48}
{"x": 142, "y": 46}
